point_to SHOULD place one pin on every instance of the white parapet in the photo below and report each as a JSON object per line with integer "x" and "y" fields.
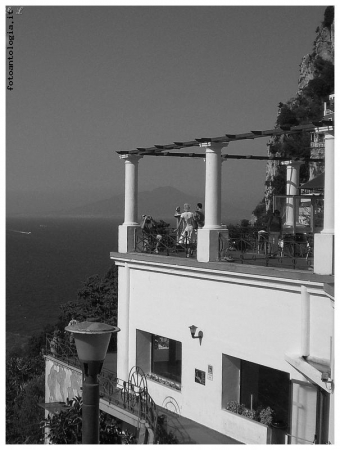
{"x": 208, "y": 244}
{"x": 324, "y": 253}
{"x": 126, "y": 238}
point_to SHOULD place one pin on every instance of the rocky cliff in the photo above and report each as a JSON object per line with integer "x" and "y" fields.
{"x": 324, "y": 48}
{"x": 310, "y": 69}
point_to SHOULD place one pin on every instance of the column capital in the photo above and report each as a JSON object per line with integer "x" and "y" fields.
{"x": 292, "y": 163}
{"x": 325, "y": 130}
{"x": 130, "y": 157}
{"x": 213, "y": 146}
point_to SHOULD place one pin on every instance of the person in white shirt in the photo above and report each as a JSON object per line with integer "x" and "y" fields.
{"x": 188, "y": 222}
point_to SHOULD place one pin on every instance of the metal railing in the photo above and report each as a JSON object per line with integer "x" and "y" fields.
{"x": 293, "y": 251}
{"x": 128, "y": 396}
{"x": 123, "y": 394}
{"x": 61, "y": 346}
{"x": 166, "y": 243}
{"x": 244, "y": 247}
{"x": 289, "y": 438}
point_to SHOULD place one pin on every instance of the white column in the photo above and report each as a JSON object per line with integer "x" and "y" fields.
{"x": 328, "y": 224}
{"x": 127, "y": 230}
{"x": 324, "y": 241}
{"x": 213, "y": 166}
{"x": 292, "y": 189}
{"x": 208, "y": 236}
{"x": 131, "y": 189}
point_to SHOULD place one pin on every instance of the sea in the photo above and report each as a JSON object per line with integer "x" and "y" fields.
{"x": 47, "y": 262}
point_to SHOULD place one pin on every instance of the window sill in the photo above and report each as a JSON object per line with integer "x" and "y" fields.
{"x": 168, "y": 383}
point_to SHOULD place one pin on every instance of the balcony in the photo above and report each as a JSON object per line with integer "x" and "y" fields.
{"x": 128, "y": 399}
{"x": 240, "y": 245}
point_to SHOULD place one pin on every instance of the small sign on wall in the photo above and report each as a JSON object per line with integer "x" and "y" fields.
{"x": 210, "y": 372}
{"x": 199, "y": 376}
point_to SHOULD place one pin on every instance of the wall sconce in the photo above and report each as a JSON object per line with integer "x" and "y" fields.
{"x": 193, "y": 329}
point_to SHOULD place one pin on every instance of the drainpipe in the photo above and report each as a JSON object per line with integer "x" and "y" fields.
{"x": 123, "y": 354}
{"x": 305, "y": 322}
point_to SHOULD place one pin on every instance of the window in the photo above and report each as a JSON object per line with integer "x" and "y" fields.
{"x": 166, "y": 358}
{"x": 255, "y": 386}
{"x": 160, "y": 356}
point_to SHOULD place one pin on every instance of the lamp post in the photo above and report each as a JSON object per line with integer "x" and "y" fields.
{"x": 92, "y": 340}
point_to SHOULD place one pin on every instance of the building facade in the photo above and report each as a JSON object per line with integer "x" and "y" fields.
{"x": 228, "y": 350}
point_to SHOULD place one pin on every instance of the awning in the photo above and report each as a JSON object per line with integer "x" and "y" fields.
{"x": 316, "y": 183}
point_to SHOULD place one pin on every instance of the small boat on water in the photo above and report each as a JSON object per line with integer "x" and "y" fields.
{"x": 21, "y": 232}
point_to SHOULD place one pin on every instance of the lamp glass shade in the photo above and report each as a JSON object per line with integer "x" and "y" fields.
{"x": 193, "y": 329}
{"x": 92, "y": 339}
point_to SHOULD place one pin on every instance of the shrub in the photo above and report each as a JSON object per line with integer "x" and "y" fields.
{"x": 65, "y": 427}
{"x": 266, "y": 416}
{"x": 162, "y": 435}
{"x": 262, "y": 415}
{"x": 235, "y": 407}
{"x": 23, "y": 414}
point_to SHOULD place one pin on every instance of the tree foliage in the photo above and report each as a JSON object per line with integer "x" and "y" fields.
{"x": 305, "y": 107}
{"x": 25, "y": 388}
{"x": 25, "y": 367}
{"x": 328, "y": 16}
{"x": 98, "y": 298}
{"x": 65, "y": 427}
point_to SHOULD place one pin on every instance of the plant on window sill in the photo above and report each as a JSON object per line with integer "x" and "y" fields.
{"x": 164, "y": 381}
{"x": 262, "y": 415}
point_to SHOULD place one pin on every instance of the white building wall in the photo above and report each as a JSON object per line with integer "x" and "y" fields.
{"x": 254, "y": 318}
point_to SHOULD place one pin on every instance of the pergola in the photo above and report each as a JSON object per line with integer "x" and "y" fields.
{"x": 208, "y": 236}
{"x": 166, "y": 149}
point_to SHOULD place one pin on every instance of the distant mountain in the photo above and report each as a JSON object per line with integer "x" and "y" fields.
{"x": 159, "y": 203}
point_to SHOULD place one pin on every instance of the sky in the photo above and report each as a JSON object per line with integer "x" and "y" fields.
{"x": 92, "y": 80}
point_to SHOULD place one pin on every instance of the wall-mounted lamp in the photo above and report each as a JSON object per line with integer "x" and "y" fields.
{"x": 193, "y": 329}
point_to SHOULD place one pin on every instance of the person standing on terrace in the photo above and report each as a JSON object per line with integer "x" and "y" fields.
{"x": 199, "y": 216}
{"x": 177, "y": 215}
{"x": 274, "y": 231}
{"x": 188, "y": 222}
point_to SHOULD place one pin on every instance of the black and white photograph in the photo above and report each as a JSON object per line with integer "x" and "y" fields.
{"x": 170, "y": 217}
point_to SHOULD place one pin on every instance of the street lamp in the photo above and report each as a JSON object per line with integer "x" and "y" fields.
{"x": 92, "y": 340}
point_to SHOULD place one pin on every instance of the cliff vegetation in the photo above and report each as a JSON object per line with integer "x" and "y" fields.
{"x": 315, "y": 84}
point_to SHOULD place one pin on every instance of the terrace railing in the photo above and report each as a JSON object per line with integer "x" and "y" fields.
{"x": 294, "y": 251}
{"x": 62, "y": 347}
{"x": 167, "y": 242}
{"x": 128, "y": 395}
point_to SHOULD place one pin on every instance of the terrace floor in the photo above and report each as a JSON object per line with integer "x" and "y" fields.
{"x": 245, "y": 266}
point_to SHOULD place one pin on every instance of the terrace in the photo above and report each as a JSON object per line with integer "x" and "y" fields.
{"x": 308, "y": 220}
{"x": 242, "y": 245}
